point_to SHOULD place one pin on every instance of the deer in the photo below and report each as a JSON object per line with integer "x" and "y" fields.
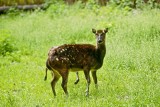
{"x": 76, "y": 57}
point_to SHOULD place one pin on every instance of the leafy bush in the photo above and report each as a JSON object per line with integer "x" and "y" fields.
{"x": 6, "y": 43}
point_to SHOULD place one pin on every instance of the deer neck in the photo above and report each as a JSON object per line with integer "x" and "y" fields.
{"x": 101, "y": 51}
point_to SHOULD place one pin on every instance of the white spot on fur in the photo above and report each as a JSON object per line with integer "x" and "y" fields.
{"x": 57, "y": 59}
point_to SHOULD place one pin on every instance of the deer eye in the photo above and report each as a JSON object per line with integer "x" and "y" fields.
{"x": 102, "y": 34}
{"x": 96, "y": 33}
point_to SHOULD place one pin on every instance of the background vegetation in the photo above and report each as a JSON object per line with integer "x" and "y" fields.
{"x": 132, "y": 3}
{"x": 130, "y": 74}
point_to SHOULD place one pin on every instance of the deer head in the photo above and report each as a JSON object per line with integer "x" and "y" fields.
{"x": 100, "y": 35}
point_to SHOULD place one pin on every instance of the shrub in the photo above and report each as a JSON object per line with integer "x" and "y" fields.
{"x": 6, "y": 43}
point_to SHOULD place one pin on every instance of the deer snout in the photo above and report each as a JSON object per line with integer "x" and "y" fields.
{"x": 100, "y": 39}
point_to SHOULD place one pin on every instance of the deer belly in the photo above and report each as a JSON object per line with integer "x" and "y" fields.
{"x": 75, "y": 69}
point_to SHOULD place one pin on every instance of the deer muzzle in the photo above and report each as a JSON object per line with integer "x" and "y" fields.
{"x": 99, "y": 39}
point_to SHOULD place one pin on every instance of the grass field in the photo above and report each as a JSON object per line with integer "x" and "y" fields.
{"x": 130, "y": 75}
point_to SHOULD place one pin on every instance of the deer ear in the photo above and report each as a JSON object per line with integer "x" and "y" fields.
{"x": 93, "y": 30}
{"x": 105, "y": 30}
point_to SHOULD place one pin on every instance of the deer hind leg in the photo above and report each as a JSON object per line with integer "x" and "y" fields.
{"x": 77, "y": 80}
{"x": 87, "y": 76}
{"x": 95, "y": 78}
{"x": 64, "y": 81}
{"x": 56, "y": 77}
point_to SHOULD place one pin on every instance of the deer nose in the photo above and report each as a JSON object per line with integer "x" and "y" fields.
{"x": 99, "y": 41}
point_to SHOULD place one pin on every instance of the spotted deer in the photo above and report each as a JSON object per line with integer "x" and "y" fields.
{"x": 76, "y": 57}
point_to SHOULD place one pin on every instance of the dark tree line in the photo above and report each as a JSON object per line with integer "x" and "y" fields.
{"x": 101, "y": 2}
{"x": 20, "y": 2}
{"x": 70, "y": 2}
{"x": 104, "y": 2}
{"x": 32, "y": 4}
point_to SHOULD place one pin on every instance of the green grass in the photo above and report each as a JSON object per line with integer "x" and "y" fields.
{"x": 130, "y": 75}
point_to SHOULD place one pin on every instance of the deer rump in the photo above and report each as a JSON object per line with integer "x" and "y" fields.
{"x": 74, "y": 57}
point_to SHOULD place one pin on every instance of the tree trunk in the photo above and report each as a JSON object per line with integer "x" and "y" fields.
{"x": 103, "y": 2}
{"x": 157, "y": 1}
{"x": 134, "y": 3}
{"x": 145, "y": 1}
{"x": 70, "y": 2}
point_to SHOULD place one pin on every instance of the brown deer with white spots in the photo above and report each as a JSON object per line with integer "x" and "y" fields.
{"x": 76, "y": 57}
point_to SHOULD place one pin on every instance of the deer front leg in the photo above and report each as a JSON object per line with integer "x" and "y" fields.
{"x": 95, "y": 78}
{"x": 86, "y": 72}
{"x": 77, "y": 80}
